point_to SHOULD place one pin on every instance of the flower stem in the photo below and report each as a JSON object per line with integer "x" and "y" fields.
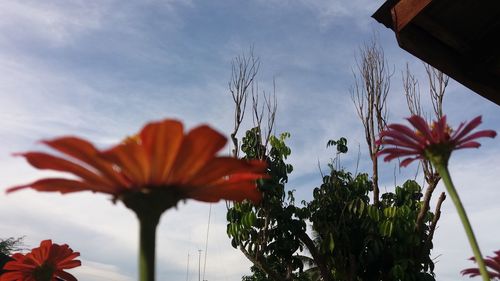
{"x": 445, "y": 176}
{"x": 147, "y": 241}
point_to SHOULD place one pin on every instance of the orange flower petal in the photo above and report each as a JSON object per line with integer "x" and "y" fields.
{"x": 131, "y": 159}
{"x": 198, "y": 148}
{"x": 84, "y": 151}
{"x": 224, "y": 166}
{"x": 63, "y": 256}
{"x": 46, "y": 161}
{"x": 162, "y": 141}
{"x": 245, "y": 177}
{"x": 9, "y": 276}
{"x": 19, "y": 266}
{"x": 65, "y": 276}
{"x": 228, "y": 191}
{"x": 70, "y": 264}
{"x": 40, "y": 254}
{"x": 61, "y": 185}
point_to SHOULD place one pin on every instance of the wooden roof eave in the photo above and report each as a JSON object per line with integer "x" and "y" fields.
{"x": 407, "y": 19}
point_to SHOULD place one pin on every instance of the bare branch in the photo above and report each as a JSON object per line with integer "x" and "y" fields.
{"x": 261, "y": 110}
{"x": 369, "y": 95}
{"x": 258, "y": 109}
{"x": 412, "y": 92}
{"x": 244, "y": 69}
{"x": 432, "y": 183}
{"x": 271, "y": 108}
{"x": 437, "y": 86}
{"x": 438, "y": 81}
{"x": 318, "y": 258}
{"x": 243, "y": 83}
{"x": 437, "y": 215}
{"x": 262, "y": 265}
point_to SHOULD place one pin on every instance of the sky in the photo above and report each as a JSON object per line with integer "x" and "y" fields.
{"x": 102, "y": 69}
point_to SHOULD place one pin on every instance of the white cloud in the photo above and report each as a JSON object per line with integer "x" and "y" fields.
{"x": 57, "y": 24}
{"x": 335, "y": 11}
{"x": 95, "y": 271}
{"x": 356, "y": 13}
{"x": 60, "y": 24}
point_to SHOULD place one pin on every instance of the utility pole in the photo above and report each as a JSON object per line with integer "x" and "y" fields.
{"x": 199, "y": 265}
{"x": 206, "y": 243}
{"x": 187, "y": 269}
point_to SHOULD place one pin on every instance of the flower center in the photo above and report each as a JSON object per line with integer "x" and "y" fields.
{"x": 132, "y": 139}
{"x": 152, "y": 201}
{"x": 446, "y": 132}
{"x": 44, "y": 272}
{"x": 438, "y": 153}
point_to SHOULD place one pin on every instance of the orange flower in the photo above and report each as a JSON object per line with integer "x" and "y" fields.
{"x": 45, "y": 263}
{"x": 160, "y": 163}
{"x": 150, "y": 173}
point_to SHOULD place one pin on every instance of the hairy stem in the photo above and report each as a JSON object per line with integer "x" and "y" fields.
{"x": 445, "y": 176}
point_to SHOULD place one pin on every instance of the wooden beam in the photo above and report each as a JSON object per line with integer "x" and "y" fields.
{"x": 383, "y": 13}
{"x": 405, "y": 11}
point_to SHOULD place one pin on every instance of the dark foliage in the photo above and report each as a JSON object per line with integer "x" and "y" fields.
{"x": 352, "y": 239}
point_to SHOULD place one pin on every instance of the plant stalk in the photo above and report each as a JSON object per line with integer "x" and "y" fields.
{"x": 147, "y": 241}
{"x": 452, "y": 192}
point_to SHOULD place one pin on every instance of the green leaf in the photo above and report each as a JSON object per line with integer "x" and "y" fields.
{"x": 252, "y": 218}
{"x": 361, "y": 208}
{"x": 390, "y": 212}
{"x": 390, "y": 228}
{"x": 331, "y": 244}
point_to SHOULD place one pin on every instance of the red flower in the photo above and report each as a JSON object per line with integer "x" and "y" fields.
{"x": 160, "y": 163}
{"x": 492, "y": 262}
{"x": 424, "y": 142}
{"x": 45, "y": 263}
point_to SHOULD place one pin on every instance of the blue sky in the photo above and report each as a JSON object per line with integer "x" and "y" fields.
{"x": 102, "y": 69}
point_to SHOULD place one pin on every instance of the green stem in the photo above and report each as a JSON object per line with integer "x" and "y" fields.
{"x": 147, "y": 241}
{"x": 445, "y": 176}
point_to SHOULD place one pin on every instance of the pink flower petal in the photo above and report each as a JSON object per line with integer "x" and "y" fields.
{"x": 471, "y": 144}
{"x": 422, "y": 126}
{"x": 476, "y": 135}
{"x": 407, "y": 161}
{"x": 469, "y": 127}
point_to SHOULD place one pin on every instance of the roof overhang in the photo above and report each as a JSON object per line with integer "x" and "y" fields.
{"x": 460, "y": 38}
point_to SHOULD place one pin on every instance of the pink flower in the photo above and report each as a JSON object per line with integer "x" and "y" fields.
{"x": 492, "y": 262}
{"x": 424, "y": 142}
